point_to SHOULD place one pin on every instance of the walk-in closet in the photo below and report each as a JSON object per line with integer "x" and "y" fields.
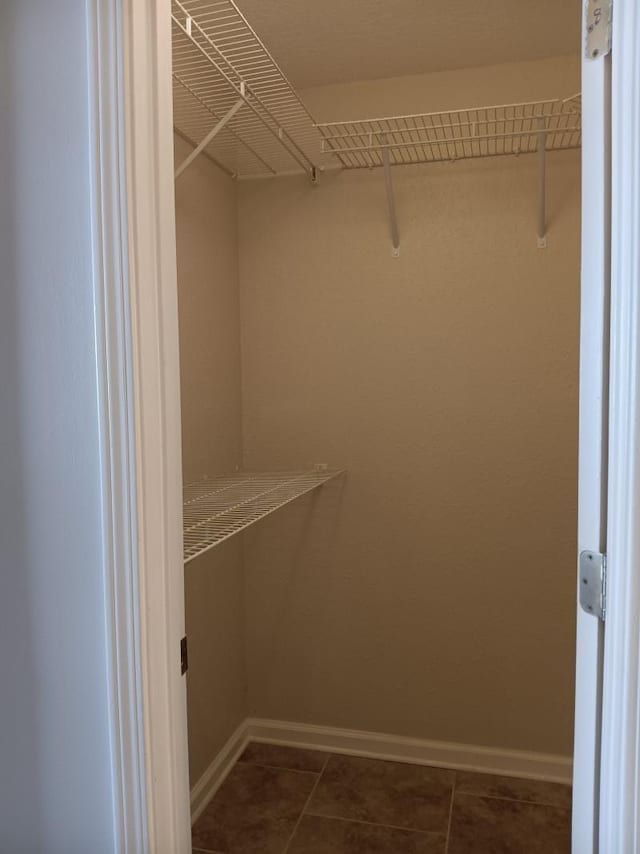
{"x": 378, "y": 238}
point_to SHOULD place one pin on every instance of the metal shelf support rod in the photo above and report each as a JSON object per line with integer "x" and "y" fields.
{"x": 542, "y": 185}
{"x": 230, "y": 130}
{"x": 391, "y": 202}
{"x": 215, "y": 130}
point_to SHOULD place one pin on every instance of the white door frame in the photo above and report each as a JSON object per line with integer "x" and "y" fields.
{"x": 620, "y": 764}
{"x": 593, "y": 430}
{"x": 133, "y": 217}
{"x": 136, "y": 321}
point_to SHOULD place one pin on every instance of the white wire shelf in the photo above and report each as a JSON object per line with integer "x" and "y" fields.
{"x": 219, "y": 62}
{"x": 456, "y": 134}
{"x": 215, "y": 509}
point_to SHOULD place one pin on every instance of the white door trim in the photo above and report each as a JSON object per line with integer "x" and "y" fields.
{"x": 592, "y": 468}
{"x": 620, "y": 785}
{"x": 117, "y": 443}
{"x": 133, "y": 220}
{"x": 153, "y": 293}
{"x": 136, "y": 319}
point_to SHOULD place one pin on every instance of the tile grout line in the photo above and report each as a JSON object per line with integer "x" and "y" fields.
{"x": 306, "y": 804}
{"x": 514, "y": 800}
{"x": 453, "y": 792}
{"x": 445, "y": 836}
{"x": 281, "y": 767}
{"x": 375, "y": 824}
{"x": 437, "y": 767}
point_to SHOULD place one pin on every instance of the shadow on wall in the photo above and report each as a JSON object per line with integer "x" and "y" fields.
{"x": 298, "y": 542}
{"x": 19, "y": 746}
{"x": 289, "y": 560}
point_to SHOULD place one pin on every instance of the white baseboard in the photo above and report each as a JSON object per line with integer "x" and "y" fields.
{"x": 467, "y": 757}
{"x": 376, "y": 745}
{"x": 214, "y": 776}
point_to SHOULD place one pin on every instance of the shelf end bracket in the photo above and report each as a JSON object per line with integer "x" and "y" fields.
{"x": 542, "y": 185}
{"x": 391, "y": 202}
{"x": 215, "y": 130}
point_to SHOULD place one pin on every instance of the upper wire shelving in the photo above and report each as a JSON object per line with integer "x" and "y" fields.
{"x": 232, "y": 100}
{"x": 522, "y": 128}
{"x": 454, "y": 134}
{"x": 215, "y": 509}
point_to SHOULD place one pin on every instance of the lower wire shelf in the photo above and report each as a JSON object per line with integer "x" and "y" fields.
{"x": 216, "y": 508}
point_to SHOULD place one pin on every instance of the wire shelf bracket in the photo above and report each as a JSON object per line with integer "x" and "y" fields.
{"x": 230, "y": 94}
{"x": 504, "y": 129}
{"x": 215, "y": 130}
{"x": 391, "y": 204}
{"x": 232, "y": 101}
{"x": 542, "y": 185}
{"x": 215, "y": 509}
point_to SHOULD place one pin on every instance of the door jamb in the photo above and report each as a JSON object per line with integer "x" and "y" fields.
{"x": 620, "y": 760}
{"x": 595, "y": 265}
{"x": 134, "y": 280}
{"x": 138, "y": 368}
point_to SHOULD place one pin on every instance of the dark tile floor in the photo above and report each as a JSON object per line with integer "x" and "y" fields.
{"x": 282, "y": 800}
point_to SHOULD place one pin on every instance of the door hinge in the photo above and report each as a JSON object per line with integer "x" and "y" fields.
{"x": 598, "y": 23}
{"x": 593, "y": 583}
{"x": 184, "y": 656}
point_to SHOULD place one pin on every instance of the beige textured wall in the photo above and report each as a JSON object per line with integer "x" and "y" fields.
{"x": 208, "y": 302}
{"x": 432, "y": 595}
{"x": 447, "y": 90}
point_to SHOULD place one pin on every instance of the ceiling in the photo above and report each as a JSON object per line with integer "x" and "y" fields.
{"x": 337, "y": 41}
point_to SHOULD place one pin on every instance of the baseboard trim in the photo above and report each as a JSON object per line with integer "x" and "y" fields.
{"x": 215, "y": 775}
{"x": 375, "y": 745}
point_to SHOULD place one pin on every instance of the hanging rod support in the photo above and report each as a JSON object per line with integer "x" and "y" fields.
{"x": 215, "y": 130}
{"x": 391, "y": 202}
{"x": 542, "y": 185}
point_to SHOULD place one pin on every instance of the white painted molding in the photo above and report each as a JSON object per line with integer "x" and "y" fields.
{"x": 593, "y": 419}
{"x": 620, "y": 765}
{"x": 117, "y": 442}
{"x": 154, "y": 389}
{"x": 375, "y": 745}
{"x": 216, "y": 773}
{"x": 134, "y": 281}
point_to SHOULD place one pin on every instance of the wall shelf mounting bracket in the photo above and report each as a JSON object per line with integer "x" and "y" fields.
{"x": 215, "y": 130}
{"x": 530, "y": 127}
{"x": 391, "y": 202}
{"x": 542, "y": 185}
{"x": 217, "y": 60}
